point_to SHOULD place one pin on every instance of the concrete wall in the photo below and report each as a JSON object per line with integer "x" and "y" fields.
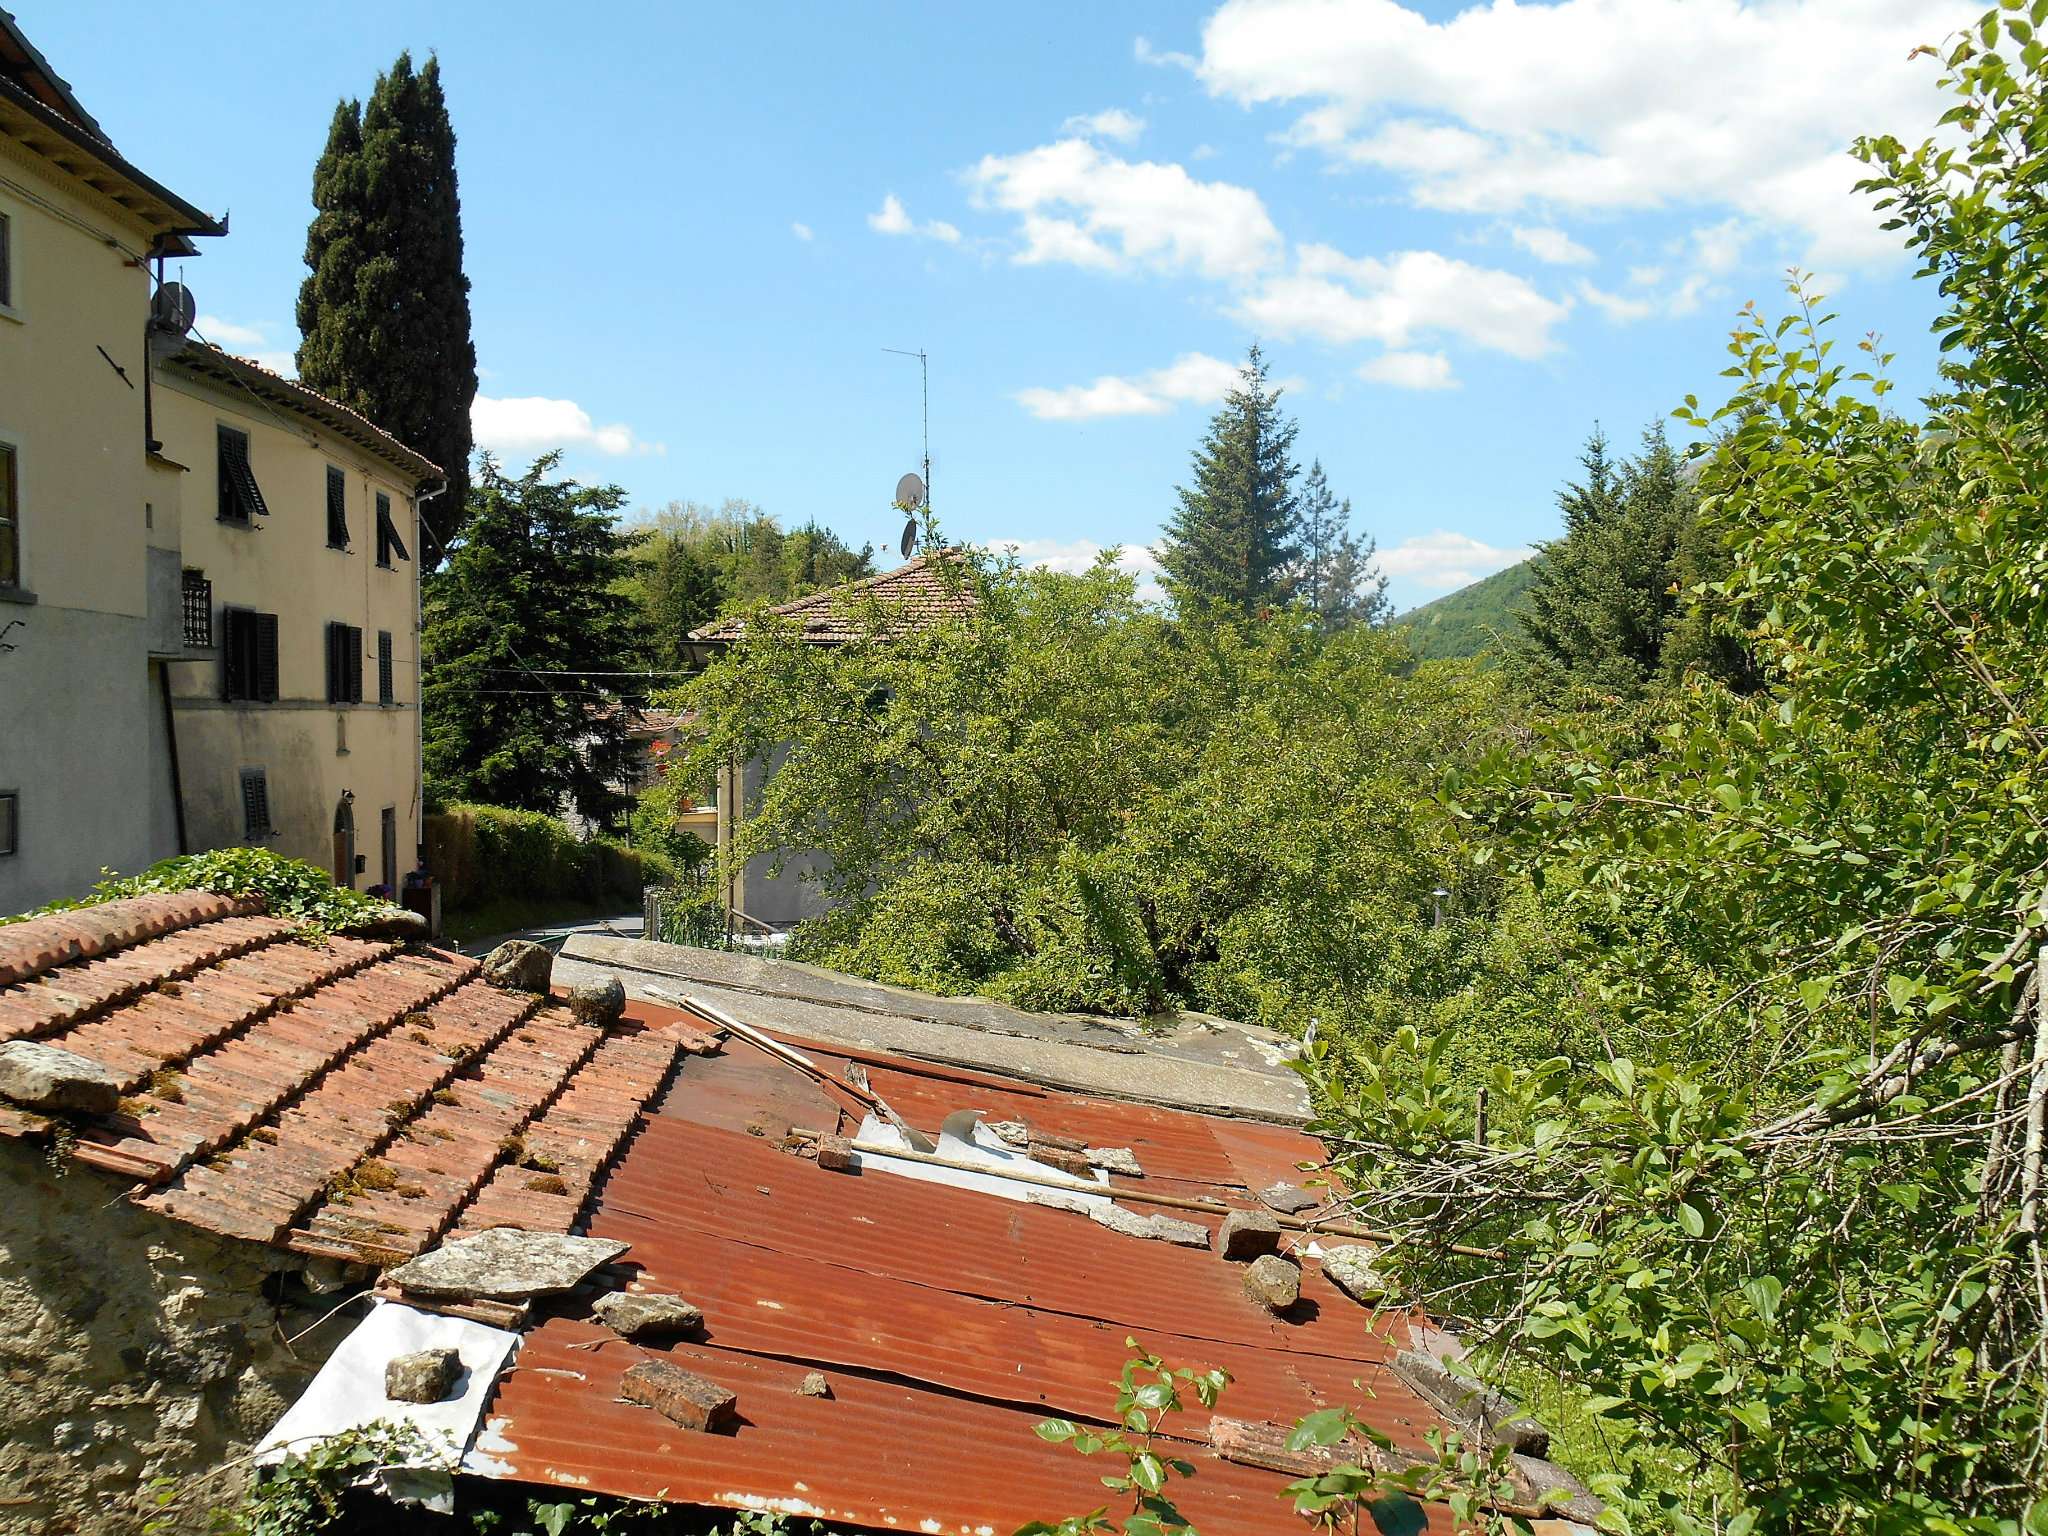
{"x": 778, "y": 900}
{"x": 131, "y": 1349}
{"x": 76, "y": 705}
{"x": 311, "y": 751}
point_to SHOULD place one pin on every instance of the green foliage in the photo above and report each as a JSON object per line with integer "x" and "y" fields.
{"x": 309, "y": 1490}
{"x": 384, "y": 312}
{"x": 289, "y": 887}
{"x": 1476, "y": 620}
{"x": 1611, "y": 607}
{"x": 1149, "y": 1393}
{"x": 693, "y": 564}
{"x": 1781, "y": 1235}
{"x": 1230, "y": 543}
{"x": 524, "y": 634}
{"x": 484, "y": 853}
{"x": 1067, "y": 800}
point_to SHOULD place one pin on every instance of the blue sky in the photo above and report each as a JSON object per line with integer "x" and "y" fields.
{"x": 1464, "y": 234}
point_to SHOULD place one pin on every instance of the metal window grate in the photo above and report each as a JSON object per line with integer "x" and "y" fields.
{"x": 198, "y": 611}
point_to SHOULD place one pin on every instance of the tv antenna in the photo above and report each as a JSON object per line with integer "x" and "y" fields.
{"x": 911, "y": 492}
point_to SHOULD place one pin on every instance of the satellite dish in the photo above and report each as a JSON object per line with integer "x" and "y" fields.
{"x": 173, "y": 308}
{"x": 909, "y": 539}
{"x": 910, "y": 493}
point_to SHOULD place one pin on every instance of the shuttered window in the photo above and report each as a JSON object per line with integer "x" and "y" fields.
{"x": 10, "y": 520}
{"x": 6, "y": 262}
{"x": 386, "y": 694}
{"x": 240, "y": 500}
{"x": 248, "y": 655}
{"x": 344, "y": 664}
{"x": 388, "y": 541}
{"x": 10, "y": 819}
{"x": 337, "y": 509}
{"x": 255, "y": 805}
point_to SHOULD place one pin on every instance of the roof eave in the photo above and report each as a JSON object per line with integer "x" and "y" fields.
{"x": 170, "y": 214}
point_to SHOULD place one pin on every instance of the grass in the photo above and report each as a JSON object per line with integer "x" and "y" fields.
{"x": 512, "y": 914}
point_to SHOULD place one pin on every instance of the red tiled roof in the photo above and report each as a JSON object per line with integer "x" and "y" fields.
{"x": 948, "y": 1322}
{"x": 353, "y": 1097}
{"x": 929, "y": 590}
{"x": 206, "y": 360}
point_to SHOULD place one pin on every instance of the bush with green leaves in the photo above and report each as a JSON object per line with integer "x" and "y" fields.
{"x": 288, "y": 887}
{"x": 1784, "y": 1243}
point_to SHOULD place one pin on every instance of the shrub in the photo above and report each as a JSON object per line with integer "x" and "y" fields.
{"x": 289, "y": 887}
{"x": 485, "y": 852}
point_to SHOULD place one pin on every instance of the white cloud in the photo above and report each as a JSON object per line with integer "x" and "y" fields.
{"x": 250, "y": 341}
{"x": 1600, "y": 104}
{"x": 1441, "y": 560}
{"x": 1618, "y": 307}
{"x": 1074, "y": 556}
{"x": 892, "y": 219}
{"x": 1192, "y": 378}
{"x": 1143, "y": 51}
{"x": 1078, "y": 205}
{"x": 802, "y": 230}
{"x": 1551, "y": 245}
{"x": 1346, "y": 299}
{"x": 533, "y": 424}
{"x": 1410, "y": 370}
{"x": 1112, "y": 123}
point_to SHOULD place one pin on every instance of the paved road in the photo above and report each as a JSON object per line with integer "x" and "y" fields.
{"x": 627, "y": 925}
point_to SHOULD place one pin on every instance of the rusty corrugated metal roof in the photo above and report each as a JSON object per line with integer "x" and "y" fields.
{"x": 948, "y": 1322}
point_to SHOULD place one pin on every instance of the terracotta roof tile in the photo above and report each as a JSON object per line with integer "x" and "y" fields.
{"x": 43, "y": 943}
{"x": 929, "y": 590}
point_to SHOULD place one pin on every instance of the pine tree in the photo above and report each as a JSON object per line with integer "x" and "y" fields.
{"x": 1337, "y": 575}
{"x": 384, "y": 313}
{"x": 1230, "y": 544}
{"x": 523, "y": 632}
{"x": 1611, "y": 605}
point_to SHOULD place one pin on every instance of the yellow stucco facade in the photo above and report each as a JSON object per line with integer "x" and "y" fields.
{"x": 123, "y": 737}
{"x": 328, "y": 765}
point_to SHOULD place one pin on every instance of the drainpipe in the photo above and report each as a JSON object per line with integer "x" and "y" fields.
{"x": 163, "y": 677}
{"x": 419, "y": 689}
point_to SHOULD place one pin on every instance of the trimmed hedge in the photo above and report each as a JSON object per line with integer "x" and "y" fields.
{"x": 482, "y": 853}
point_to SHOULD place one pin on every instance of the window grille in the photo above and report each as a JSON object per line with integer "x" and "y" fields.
{"x": 198, "y": 611}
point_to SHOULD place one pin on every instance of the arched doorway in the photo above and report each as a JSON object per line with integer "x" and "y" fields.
{"x": 345, "y": 840}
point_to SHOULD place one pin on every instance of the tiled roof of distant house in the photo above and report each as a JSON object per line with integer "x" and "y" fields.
{"x": 203, "y": 359}
{"x": 352, "y": 1097}
{"x": 929, "y": 590}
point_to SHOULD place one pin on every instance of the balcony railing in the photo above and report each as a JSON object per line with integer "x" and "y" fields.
{"x": 198, "y": 611}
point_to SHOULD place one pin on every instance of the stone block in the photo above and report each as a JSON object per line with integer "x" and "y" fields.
{"x": 1472, "y": 1404}
{"x": 836, "y": 1155}
{"x": 1350, "y": 1268}
{"x": 1115, "y": 1160}
{"x": 647, "y": 1314}
{"x": 1289, "y": 1199}
{"x": 48, "y": 1077}
{"x": 814, "y": 1385}
{"x": 682, "y": 1397}
{"x": 1272, "y": 1282}
{"x": 425, "y": 1376}
{"x": 1247, "y": 1234}
{"x": 598, "y": 1002}
{"x": 519, "y": 965}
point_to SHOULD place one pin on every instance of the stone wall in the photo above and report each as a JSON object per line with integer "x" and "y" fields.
{"x": 134, "y": 1349}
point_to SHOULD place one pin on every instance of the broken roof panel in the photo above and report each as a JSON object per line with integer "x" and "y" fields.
{"x": 948, "y": 1323}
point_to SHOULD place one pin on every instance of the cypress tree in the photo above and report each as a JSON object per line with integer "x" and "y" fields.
{"x": 524, "y": 632}
{"x": 384, "y": 313}
{"x": 1230, "y": 544}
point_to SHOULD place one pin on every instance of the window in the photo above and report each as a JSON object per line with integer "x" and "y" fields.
{"x": 198, "y": 610}
{"x": 385, "y": 693}
{"x": 240, "y": 500}
{"x": 388, "y": 826}
{"x": 10, "y": 823}
{"x": 337, "y": 509}
{"x": 10, "y": 520}
{"x": 255, "y": 806}
{"x": 248, "y": 655}
{"x": 6, "y": 262}
{"x": 344, "y": 664}
{"x": 388, "y": 541}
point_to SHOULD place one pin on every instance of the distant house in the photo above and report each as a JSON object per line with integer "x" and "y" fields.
{"x": 208, "y": 591}
{"x": 914, "y": 596}
{"x": 653, "y": 739}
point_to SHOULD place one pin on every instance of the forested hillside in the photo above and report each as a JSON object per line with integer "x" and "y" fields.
{"x": 1475, "y": 619}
